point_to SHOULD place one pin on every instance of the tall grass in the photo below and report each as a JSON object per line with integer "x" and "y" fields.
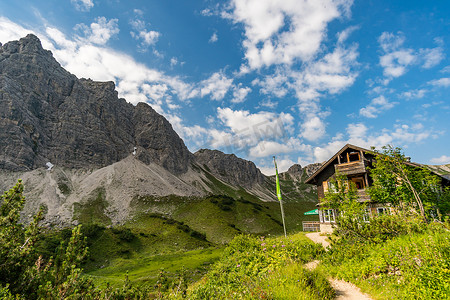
{"x": 412, "y": 266}
{"x": 260, "y": 268}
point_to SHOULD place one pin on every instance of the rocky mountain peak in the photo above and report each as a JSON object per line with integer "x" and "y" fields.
{"x": 229, "y": 168}
{"x": 295, "y": 170}
{"x": 27, "y": 45}
{"x": 49, "y": 115}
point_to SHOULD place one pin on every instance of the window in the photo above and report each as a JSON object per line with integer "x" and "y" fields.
{"x": 353, "y": 156}
{"x": 366, "y": 215}
{"x": 332, "y": 187}
{"x": 383, "y": 210}
{"x": 328, "y": 215}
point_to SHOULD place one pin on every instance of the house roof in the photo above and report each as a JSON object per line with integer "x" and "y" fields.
{"x": 347, "y": 146}
{"x": 328, "y": 162}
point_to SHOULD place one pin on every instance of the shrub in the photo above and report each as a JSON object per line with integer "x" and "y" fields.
{"x": 409, "y": 266}
{"x": 249, "y": 264}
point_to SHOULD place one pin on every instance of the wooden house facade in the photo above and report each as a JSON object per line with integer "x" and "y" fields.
{"x": 353, "y": 162}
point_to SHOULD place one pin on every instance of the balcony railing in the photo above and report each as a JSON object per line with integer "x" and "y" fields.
{"x": 354, "y": 167}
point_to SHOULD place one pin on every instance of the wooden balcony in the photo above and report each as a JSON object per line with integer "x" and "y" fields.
{"x": 354, "y": 167}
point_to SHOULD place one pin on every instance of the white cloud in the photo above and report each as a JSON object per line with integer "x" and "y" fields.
{"x": 395, "y": 63}
{"x": 414, "y": 94}
{"x": 240, "y": 93}
{"x": 173, "y": 61}
{"x": 98, "y": 32}
{"x": 196, "y": 134}
{"x": 313, "y": 128}
{"x": 10, "y": 31}
{"x": 289, "y": 35}
{"x": 217, "y": 85}
{"x": 443, "y": 82}
{"x": 445, "y": 70}
{"x": 330, "y": 74}
{"x": 268, "y": 124}
{"x": 269, "y": 148}
{"x": 357, "y": 130}
{"x": 283, "y": 164}
{"x": 141, "y": 33}
{"x": 147, "y": 38}
{"x": 214, "y": 38}
{"x": 431, "y": 57}
{"x": 442, "y": 160}
{"x": 358, "y": 134}
{"x": 268, "y": 103}
{"x": 376, "y": 106}
{"x": 83, "y": 5}
{"x": 324, "y": 153}
{"x": 274, "y": 84}
{"x": 396, "y": 58}
{"x": 280, "y": 32}
{"x": 244, "y": 130}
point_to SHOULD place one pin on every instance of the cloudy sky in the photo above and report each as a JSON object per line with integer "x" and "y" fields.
{"x": 297, "y": 79}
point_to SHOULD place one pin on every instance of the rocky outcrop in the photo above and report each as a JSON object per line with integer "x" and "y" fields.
{"x": 311, "y": 168}
{"x": 49, "y": 115}
{"x": 229, "y": 168}
{"x": 157, "y": 141}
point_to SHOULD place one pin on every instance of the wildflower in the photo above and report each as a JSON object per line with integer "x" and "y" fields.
{"x": 263, "y": 244}
{"x": 264, "y": 249}
{"x": 283, "y": 246}
{"x": 238, "y": 265}
{"x": 273, "y": 246}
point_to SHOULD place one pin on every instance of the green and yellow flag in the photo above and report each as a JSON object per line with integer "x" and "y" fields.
{"x": 279, "y": 195}
{"x": 277, "y": 180}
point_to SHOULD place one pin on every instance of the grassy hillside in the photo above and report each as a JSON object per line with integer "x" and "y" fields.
{"x": 180, "y": 234}
{"x": 175, "y": 233}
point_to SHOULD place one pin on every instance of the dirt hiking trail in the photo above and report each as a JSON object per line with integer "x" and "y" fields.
{"x": 344, "y": 290}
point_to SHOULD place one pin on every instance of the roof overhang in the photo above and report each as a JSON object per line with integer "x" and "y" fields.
{"x": 310, "y": 180}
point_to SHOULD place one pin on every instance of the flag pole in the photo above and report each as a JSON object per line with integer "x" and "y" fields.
{"x": 279, "y": 195}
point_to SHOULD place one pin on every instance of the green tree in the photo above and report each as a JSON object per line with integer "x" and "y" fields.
{"x": 350, "y": 212}
{"x": 17, "y": 251}
{"x": 23, "y": 272}
{"x": 408, "y": 187}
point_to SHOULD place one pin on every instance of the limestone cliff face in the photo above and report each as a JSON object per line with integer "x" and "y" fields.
{"x": 229, "y": 168}
{"x": 49, "y": 115}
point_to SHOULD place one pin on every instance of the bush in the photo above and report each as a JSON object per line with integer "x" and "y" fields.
{"x": 250, "y": 264}
{"x": 409, "y": 266}
{"x": 124, "y": 234}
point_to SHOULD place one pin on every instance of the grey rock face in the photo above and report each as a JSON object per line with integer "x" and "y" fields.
{"x": 158, "y": 142}
{"x": 295, "y": 170}
{"x": 229, "y": 168}
{"x": 311, "y": 168}
{"x": 48, "y": 114}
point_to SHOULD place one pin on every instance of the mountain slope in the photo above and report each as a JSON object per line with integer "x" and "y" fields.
{"x": 89, "y": 134}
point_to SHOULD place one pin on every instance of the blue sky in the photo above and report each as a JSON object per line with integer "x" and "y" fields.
{"x": 295, "y": 79}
